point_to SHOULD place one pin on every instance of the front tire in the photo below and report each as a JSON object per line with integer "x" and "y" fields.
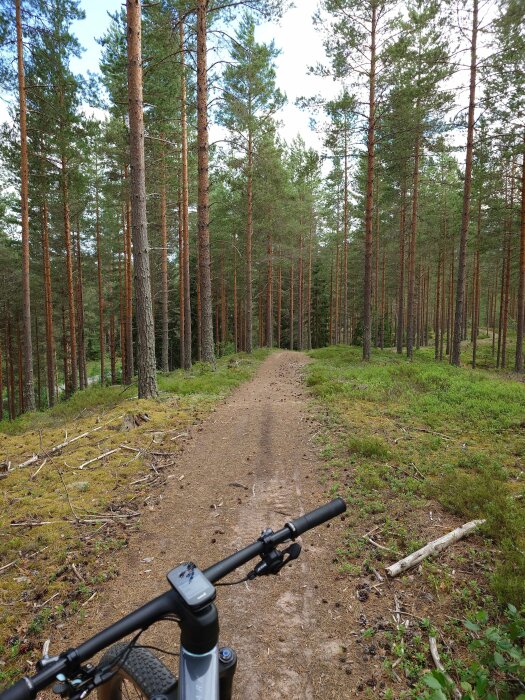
{"x": 140, "y": 675}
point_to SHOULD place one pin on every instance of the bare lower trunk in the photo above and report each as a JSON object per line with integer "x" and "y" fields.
{"x": 279, "y": 303}
{"x": 101, "y": 342}
{"x": 21, "y": 407}
{"x": 401, "y": 282}
{"x": 300, "y": 297}
{"x": 48, "y": 307}
{"x": 128, "y": 271}
{"x": 1, "y": 388}
{"x": 437, "y": 310}
{"x": 291, "y": 304}
{"x": 249, "y": 235}
{"x": 147, "y": 381}
{"x": 82, "y": 374}
{"x": 269, "y": 294}
{"x": 113, "y": 357}
{"x": 520, "y": 313}
{"x": 460, "y": 282}
{"x": 182, "y": 305}
{"x": 164, "y": 363}
{"x": 69, "y": 274}
{"x": 411, "y": 318}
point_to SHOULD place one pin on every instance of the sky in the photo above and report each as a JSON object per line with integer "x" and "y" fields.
{"x": 300, "y": 44}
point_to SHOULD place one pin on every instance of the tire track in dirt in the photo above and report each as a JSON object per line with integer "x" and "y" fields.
{"x": 250, "y": 465}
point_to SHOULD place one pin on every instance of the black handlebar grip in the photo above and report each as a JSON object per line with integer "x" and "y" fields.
{"x": 22, "y": 690}
{"x": 317, "y": 517}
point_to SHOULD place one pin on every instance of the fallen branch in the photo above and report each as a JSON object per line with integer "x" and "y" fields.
{"x": 435, "y": 657}
{"x": 431, "y": 432}
{"x": 97, "y": 459}
{"x": 36, "y": 523}
{"x": 58, "y": 448}
{"x": 380, "y": 546}
{"x": 39, "y": 468}
{"x": 131, "y": 449}
{"x": 432, "y": 548}
{"x": 78, "y": 574}
{"x": 7, "y": 566}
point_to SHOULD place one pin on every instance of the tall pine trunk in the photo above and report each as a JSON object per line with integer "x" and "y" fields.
{"x": 249, "y": 235}
{"x": 465, "y": 216}
{"x": 82, "y": 373}
{"x": 147, "y": 380}
{"x": 203, "y": 215}
{"x": 185, "y": 228}
{"x": 269, "y": 292}
{"x": 520, "y": 313}
{"x": 28, "y": 389}
{"x": 367, "y": 296}
{"x": 73, "y": 384}
{"x": 401, "y": 280}
{"x": 100, "y": 286}
{"x": 164, "y": 362}
{"x": 48, "y": 309}
{"x": 411, "y": 318}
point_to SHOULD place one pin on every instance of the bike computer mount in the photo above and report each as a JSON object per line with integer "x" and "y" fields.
{"x": 273, "y": 559}
{"x": 192, "y": 586}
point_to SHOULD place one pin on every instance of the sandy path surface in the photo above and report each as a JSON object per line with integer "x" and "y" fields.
{"x": 251, "y": 464}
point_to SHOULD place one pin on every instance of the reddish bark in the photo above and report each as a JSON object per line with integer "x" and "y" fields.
{"x": 48, "y": 309}
{"x": 185, "y": 227}
{"x": 28, "y": 388}
{"x": 101, "y": 344}
{"x": 203, "y": 186}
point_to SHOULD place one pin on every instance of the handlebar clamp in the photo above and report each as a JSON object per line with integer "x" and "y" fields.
{"x": 272, "y": 559}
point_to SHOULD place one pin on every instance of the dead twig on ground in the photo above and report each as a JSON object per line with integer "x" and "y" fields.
{"x": 67, "y": 496}
{"x": 380, "y": 546}
{"x": 439, "y": 665}
{"x": 65, "y": 443}
{"x": 8, "y": 566}
{"x": 432, "y": 548}
{"x": 97, "y": 459}
{"x": 78, "y": 574}
{"x": 39, "y": 468}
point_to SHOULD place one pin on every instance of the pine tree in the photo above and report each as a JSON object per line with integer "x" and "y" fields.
{"x": 250, "y": 99}
{"x": 147, "y": 381}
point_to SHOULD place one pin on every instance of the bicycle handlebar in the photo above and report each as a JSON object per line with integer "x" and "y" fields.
{"x": 169, "y": 602}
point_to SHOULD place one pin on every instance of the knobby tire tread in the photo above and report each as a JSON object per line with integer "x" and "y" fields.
{"x": 141, "y": 667}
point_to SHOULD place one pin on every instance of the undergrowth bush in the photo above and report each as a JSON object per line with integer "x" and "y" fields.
{"x": 498, "y": 671}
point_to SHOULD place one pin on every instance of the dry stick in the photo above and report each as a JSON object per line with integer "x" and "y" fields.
{"x": 7, "y": 566}
{"x": 432, "y": 548}
{"x": 431, "y": 432}
{"x": 380, "y": 546}
{"x": 77, "y": 573}
{"x": 67, "y": 496}
{"x": 96, "y": 459}
{"x": 435, "y": 656}
{"x": 57, "y": 448}
{"x": 47, "y": 601}
{"x": 39, "y": 468}
{"x": 31, "y": 523}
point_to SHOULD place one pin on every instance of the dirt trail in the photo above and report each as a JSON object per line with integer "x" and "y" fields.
{"x": 251, "y": 464}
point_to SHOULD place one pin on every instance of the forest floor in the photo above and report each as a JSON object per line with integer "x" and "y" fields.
{"x": 415, "y": 448}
